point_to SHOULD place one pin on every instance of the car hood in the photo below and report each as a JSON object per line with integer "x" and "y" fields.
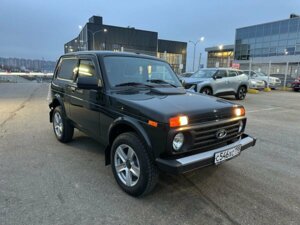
{"x": 160, "y": 107}
{"x": 190, "y": 80}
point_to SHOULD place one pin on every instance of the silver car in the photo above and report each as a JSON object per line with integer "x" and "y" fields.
{"x": 274, "y": 82}
{"x": 218, "y": 82}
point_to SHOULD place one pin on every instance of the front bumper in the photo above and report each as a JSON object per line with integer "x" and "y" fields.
{"x": 203, "y": 159}
{"x": 274, "y": 85}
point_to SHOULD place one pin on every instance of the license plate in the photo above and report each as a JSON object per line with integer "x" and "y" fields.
{"x": 227, "y": 154}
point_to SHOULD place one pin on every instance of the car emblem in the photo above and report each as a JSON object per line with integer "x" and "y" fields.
{"x": 221, "y": 133}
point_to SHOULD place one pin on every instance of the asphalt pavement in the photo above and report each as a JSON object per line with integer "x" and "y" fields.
{"x": 43, "y": 181}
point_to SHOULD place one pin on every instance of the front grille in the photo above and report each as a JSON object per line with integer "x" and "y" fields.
{"x": 206, "y": 138}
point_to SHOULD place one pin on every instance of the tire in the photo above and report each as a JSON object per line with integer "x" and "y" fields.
{"x": 296, "y": 90}
{"x": 206, "y": 91}
{"x": 241, "y": 93}
{"x": 62, "y": 128}
{"x": 138, "y": 173}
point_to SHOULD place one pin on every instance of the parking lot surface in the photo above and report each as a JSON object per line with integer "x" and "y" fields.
{"x": 43, "y": 181}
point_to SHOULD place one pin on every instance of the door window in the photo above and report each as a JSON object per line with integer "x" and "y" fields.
{"x": 231, "y": 73}
{"x": 67, "y": 68}
{"x": 86, "y": 68}
{"x": 221, "y": 73}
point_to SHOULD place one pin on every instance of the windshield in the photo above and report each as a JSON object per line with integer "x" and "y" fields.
{"x": 261, "y": 74}
{"x": 204, "y": 74}
{"x": 129, "y": 71}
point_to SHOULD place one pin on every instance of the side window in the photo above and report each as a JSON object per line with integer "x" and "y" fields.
{"x": 221, "y": 73}
{"x": 86, "y": 68}
{"x": 231, "y": 73}
{"x": 252, "y": 73}
{"x": 67, "y": 68}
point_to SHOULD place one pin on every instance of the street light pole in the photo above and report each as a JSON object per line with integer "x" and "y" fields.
{"x": 93, "y": 33}
{"x": 195, "y": 45}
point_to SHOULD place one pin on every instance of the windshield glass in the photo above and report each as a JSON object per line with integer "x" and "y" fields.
{"x": 132, "y": 70}
{"x": 204, "y": 74}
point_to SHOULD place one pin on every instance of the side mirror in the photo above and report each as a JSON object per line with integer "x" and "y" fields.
{"x": 88, "y": 83}
{"x": 217, "y": 77}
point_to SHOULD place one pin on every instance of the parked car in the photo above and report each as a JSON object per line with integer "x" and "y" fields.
{"x": 218, "y": 82}
{"x": 187, "y": 74}
{"x": 136, "y": 107}
{"x": 274, "y": 81}
{"x": 296, "y": 84}
{"x": 256, "y": 84}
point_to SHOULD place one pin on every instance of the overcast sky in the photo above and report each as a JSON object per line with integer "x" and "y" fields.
{"x": 39, "y": 28}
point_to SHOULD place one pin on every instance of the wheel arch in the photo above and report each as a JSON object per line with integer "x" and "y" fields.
{"x": 56, "y": 101}
{"x": 207, "y": 86}
{"x": 123, "y": 125}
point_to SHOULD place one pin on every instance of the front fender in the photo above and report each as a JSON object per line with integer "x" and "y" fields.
{"x": 134, "y": 124}
{"x": 55, "y": 102}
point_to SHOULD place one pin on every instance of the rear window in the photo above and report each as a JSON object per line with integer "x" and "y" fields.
{"x": 67, "y": 69}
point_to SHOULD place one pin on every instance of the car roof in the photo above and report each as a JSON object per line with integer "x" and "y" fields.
{"x": 221, "y": 68}
{"x": 112, "y": 53}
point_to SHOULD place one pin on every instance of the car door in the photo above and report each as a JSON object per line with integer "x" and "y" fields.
{"x": 220, "y": 84}
{"x": 233, "y": 81}
{"x": 84, "y": 103}
{"x": 64, "y": 76}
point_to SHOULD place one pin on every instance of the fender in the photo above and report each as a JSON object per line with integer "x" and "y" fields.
{"x": 52, "y": 105}
{"x": 134, "y": 124}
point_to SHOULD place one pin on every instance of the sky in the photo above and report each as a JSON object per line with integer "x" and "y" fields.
{"x": 38, "y": 29}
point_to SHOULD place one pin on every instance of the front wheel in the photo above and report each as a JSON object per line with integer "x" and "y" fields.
{"x": 206, "y": 91}
{"x": 62, "y": 128}
{"x": 132, "y": 165}
{"x": 241, "y": 93}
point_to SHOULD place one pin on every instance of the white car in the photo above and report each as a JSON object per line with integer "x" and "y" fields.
{"x": 256, "y": 84}
{"x": 274, "y": 82}
{"x": 218, "y": 82}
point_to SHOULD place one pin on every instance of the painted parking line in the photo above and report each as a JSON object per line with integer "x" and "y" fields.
{"x": 266, "y": 109}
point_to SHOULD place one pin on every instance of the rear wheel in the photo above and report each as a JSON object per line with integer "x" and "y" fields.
{"x": 241, "y": 93}
{"x": 62, "y": 128}
{"x": 206, "y": 91}
{"x": 133, "y": 167}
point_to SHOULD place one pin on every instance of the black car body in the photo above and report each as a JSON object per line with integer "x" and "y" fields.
{"x": 142, "y": 115}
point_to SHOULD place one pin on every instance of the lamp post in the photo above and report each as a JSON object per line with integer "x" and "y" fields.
{"x": 93, "y": 33}
{"x": 80, "y": 37}
{"x": 201, "y": 39}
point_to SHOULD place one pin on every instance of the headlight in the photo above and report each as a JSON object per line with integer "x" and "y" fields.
{"x": 178, "y": 141}
{"x": 241, "y": 126}
{"x": 253, "y": 82}
{"x": 239, "y": 111}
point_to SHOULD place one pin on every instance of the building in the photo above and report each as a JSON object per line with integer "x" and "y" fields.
{"x": 97, "y": 36}
{"x": 220, "y": 56}
{"x": 272, "y": 47}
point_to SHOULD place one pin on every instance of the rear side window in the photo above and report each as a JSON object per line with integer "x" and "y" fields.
{"x": 221, "y": 73}
{"x": 86, "y": 68}
{"x": 231, "y": 73}
{"x": 67, "y": 69}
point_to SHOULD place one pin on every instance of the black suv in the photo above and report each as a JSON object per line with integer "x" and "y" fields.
{"x": 136, "y": 107}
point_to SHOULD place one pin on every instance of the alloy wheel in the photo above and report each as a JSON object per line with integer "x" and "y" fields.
{"x": 127, "y": 165}
{"x": 58, "y": 124}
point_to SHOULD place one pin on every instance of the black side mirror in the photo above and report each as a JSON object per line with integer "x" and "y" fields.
{"x": 88, "y": 83}
{"x": 217, "y": 77}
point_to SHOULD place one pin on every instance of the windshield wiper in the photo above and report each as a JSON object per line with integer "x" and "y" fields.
{"x": 133, "y": 84}
{"x": 158, "y": 81}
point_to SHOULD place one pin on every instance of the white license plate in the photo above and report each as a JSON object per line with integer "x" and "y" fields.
{"x": 227, "y": 154}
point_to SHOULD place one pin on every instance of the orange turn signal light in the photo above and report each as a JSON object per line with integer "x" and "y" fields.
{"x": 239, "y": 111}
{"x": 152, "y": 123}
{"x": 178, "y": 121}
